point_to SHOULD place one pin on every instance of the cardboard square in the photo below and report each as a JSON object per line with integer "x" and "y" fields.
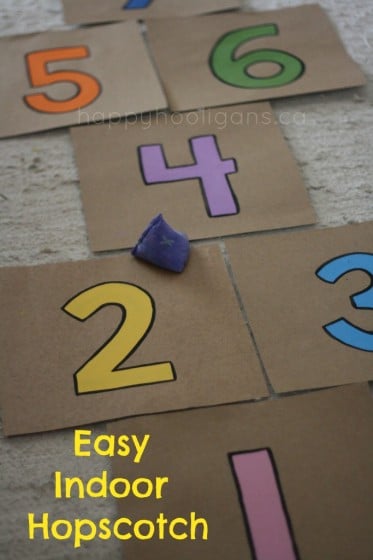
{"x": 312, "y": 499}
{"x": 196, "y": 329}
{"x": 119, "y": 199}
{"x": 309, "y": 57}
{"x": 97, "y": 11}
{"x": 82, "y": 75}
{"x": 289, "y": 306}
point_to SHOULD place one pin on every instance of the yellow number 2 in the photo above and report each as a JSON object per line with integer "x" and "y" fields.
{"x": 101, "y": 371}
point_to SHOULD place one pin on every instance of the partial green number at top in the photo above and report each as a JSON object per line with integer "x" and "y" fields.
{"x": 235, "y": 70}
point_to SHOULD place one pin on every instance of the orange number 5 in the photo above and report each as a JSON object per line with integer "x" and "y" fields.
{"x": 88, "y": 88}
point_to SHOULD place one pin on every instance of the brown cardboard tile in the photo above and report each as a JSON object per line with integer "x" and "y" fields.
{"x": 82, "y": 75}
{"x": 96, "y": 11}
{"x": 264, "y": 185}
{"x": 310, "y": 57}
{"x": 196, "y": 329}
{"x": 322, "y": 465}
{"x": 289, "y": 305}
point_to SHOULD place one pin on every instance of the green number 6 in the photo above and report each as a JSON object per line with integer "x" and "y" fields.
{"x": 234, "y": 71}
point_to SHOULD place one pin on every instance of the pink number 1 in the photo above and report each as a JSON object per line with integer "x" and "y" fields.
{"x": 267, "y": 520}
{"x": 209, "y": 168}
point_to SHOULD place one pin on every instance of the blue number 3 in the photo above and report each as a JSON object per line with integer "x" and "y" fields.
{"x": 341, "y": 329}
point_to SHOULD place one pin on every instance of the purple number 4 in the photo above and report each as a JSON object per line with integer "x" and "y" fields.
{"x": 209, "y": 168}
